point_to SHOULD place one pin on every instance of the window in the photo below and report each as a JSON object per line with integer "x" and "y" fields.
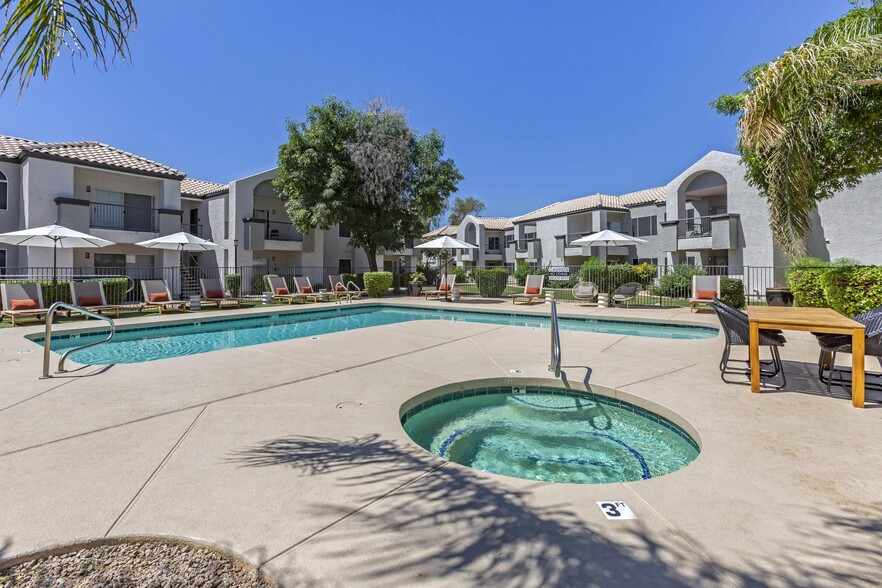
{"x": 344, "y": 231}
{"x": 2, "y": 262}
{"x": 344, "y": 266}
{"x": 509, "y": 239}
{"x": 493, "y": 243}
{"x": 690, "y": 260}
{"x": 644, "y": 226}
{"x": 4, "y": 196}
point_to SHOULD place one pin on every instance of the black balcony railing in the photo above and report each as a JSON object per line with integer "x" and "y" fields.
{"x": 125, "y": 218}
{"x": 193, "y": 229}
{"x": 692, "y": 228}
{"x": 282, "y": 232}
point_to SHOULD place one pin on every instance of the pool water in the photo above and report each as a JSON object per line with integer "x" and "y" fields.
{"x": 550, "y": 435}
{"x": 149, "y": 343}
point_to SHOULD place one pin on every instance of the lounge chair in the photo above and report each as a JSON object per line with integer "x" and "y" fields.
{"x": 585, "y": 292}
{"x": 22, "y": 301}
{"x": 304, "y": 287}
{"x": 444, "y": 288}
{"x": 736, "y": 328}
{"x": 90, "y": 295}
{"x": 338, "y": 289}
{"x": 533, "y": 287}
{"x": 213, "y": 293}
{"x": 704, "y": 289}
{"x": 626, "y": 292}
{"x": 158, "y": 296}
{"x": 832, "y": 344}
{"x": 279, "y": 287}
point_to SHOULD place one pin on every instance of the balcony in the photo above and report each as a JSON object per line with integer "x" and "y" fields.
{"x": 531, "y": 249}
{"x": 716, "y": 232}
{"x": 276, "y": 231}
{"x": 193, "y": 229}
{"x": 123, "y": 218}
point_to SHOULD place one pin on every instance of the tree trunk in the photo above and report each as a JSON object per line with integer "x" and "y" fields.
{"x": 372, "y": 258}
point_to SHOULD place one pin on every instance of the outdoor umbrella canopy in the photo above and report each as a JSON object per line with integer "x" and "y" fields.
{"x": 446, "y": 243}
{"x": 607, "y": 238}
{"x": 180, "y": 242}
{"x": 55, "y": 236}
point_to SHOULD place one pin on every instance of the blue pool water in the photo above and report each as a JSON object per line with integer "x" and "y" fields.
{"x": 159, "y": 342}
{"x": 550, "y": 435}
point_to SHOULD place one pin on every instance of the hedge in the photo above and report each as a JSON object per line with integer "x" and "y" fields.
{"x": 377, "y": 283}
{"x": 114, "y": 289}
{"x": 853, "y": 290}
{"x": 524, "y": 269}
{"x": 732, "y": 292}
{"x": 608, "y": 278}
{"x": 491, "y": 282}
{"x": 678, "y": 283}
{"x": 806, "y": 281}
{"x": 233, "y": 284}
{"x": 357, "y": 279}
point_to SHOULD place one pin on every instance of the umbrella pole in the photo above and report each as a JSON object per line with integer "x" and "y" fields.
{"x": 55, "y": 269}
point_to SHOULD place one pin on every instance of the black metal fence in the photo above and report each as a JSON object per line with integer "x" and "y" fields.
{"x": 661, "y": 286}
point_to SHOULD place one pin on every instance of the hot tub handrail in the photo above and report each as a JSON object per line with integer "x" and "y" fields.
{"x": 47, "y": 341}
{"x": 554, "y": 366}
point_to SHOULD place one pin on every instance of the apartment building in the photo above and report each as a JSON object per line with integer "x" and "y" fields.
{"x": 708, "y": 215}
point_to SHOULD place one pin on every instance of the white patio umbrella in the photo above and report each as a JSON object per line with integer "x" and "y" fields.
{"x": 180, "y": 242}
{"x": 56, "y": 237}
{"x": 607, "y": 238}
{"x": 445, "y": 243}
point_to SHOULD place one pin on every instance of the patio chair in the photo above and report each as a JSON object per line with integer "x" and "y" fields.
{"x": 90, "y": 295}
{"x": 304, "y": 288}
{"x": 158, "y": 296}
{"x": 533, "y": 286}
{"x": 831, "y": 344}
{"x": 338, "y": 289}
{"x": 704, "y": 289}
{"x": 736, "y": 328}
{"x": 444, "y": 288}
{"x": 22, "y": 301}
{"x": 213, "y": 293}
{"x": 585, "y": 292}
{"x": 279, "y": 287}
{"x": 626, "y": 292}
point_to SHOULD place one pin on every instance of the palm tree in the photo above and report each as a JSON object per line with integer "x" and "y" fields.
{"x": 811, "y": 121}
{"x": 36, "y": 31}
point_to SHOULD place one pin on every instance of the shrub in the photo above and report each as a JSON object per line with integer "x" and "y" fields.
{"x": 233, "y": 283}
{"x": 491, "y": 282}
{"x": 429, "y": 271}
{"x": 462, "y": 274}
{"x": 524, "y": 269}
{"x": 852, "y": 290}
{"x": 806, "y": 281}
{"x": 115, "y": 289}
{"x": 678, "y": 283}
{"x": 377, "y": 283}
{"x": 608, "y": 278}
{"x": 732, "y": 292}
{"x": 357, "y": 279}
{"x": 259, "y": 283}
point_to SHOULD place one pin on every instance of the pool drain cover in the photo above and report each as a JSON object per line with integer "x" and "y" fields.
{"x": 347, "y": 404}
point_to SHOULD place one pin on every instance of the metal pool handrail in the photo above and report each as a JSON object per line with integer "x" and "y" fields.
{"x": 47, "y": 341}
{"x": 554, "y": 366}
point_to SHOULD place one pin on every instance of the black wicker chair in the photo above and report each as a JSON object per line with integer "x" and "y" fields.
{"x": 736, "y": 328}
{"x": 833, "y": 344}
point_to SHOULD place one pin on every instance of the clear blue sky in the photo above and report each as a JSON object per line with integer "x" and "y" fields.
{"x": 539, "y": 101}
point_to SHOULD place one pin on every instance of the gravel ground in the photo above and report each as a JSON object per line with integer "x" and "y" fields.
{"x": 141, "y": 564}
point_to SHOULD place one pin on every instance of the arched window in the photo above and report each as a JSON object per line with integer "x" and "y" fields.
{"x": 4, "y": 192}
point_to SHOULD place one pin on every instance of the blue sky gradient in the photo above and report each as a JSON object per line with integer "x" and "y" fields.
{"x": 539, "y": 101}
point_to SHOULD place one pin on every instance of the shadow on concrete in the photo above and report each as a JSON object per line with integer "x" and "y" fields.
{"x": 449, "y": 523}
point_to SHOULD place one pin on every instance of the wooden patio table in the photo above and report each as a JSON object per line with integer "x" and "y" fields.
{"x": 818, "y": 320}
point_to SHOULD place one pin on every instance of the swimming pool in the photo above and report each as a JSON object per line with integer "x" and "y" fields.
{"x": 550, "y": 434}
{"x": 152, "y": 342}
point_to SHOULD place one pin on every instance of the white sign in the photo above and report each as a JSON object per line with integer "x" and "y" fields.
{"x": 616, "y": 510}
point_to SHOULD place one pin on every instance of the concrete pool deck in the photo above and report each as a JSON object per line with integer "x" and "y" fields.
{"x": 292, "y": 454}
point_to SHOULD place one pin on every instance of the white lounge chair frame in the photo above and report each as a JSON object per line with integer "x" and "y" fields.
{"x": 208, "y": 284}
{"x": 532, "y": 281}
{"x": 156, "y": 287}
{"x": 703, "y": 283}
{"x": 280, "y": 282}
{"x": 437, "y": 294}
{"x": 80, "y": 289}
{"x": 29, "y": 290}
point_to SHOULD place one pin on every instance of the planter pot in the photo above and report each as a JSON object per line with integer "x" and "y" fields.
{"x": 415, "y": 288}
{"x": 779, "y": 297}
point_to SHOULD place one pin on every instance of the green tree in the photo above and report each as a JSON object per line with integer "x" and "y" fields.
{"x": 366, "y": 169}
{"x": 37, "y": 30}
{"x": 811, "y": 121}
{"x": 462, "y": 207}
